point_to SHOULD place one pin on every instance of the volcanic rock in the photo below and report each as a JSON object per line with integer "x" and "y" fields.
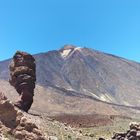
{"x": 132, "y": 134}
{"x": 16, "y": 123}
{"x": 23, "y": 77}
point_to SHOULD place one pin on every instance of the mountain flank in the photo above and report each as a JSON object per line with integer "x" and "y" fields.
{"x": 81, "y": 80}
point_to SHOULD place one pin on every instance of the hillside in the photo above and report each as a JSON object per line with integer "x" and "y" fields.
{"x": 81, "y": 80}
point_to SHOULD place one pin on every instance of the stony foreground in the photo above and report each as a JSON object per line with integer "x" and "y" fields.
{"x": 16, "y": 124}
{"x": 132, "y": 134}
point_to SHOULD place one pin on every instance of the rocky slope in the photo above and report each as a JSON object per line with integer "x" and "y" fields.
{"x": 18, "y": 125}
{"x": 15, "y": 124}
{"x": 81, "y": 80}
{"x": 79, "y": 87}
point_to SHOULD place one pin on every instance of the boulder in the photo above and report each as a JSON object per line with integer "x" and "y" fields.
{"x": 16, "y": 123}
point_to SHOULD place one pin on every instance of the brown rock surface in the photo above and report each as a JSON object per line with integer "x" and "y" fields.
{"x": 23, "y": 77}
{"x": 16, "y": 123}
{"x": 132, "y": 134}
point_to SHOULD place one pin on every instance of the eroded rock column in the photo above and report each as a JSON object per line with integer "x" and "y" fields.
{"x": 23, "y": 77}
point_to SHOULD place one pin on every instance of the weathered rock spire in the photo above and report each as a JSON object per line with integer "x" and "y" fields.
{"x": 23, "y": 77}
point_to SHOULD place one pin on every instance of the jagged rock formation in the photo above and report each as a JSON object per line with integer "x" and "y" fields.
{"x": 17, "y": 124}
{"x": 23, "y": 77}
{"x": 132, "y": 134}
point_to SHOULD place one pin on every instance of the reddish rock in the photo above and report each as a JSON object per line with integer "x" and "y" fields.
{"x": 18, "y": 124}
{"x": 23, "y": 77}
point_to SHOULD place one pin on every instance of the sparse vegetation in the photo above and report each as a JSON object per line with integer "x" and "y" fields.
{"x": 64, "y": 132}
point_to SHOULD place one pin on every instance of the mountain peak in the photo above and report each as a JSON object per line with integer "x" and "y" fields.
{"x": 67, "y": 50}
{"x": 67, "y": 47}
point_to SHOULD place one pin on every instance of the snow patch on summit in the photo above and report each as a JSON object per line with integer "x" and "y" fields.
{"x": 65, "y": 53}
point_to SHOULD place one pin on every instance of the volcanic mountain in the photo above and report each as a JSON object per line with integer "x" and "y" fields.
{"x": 80, "y": 80}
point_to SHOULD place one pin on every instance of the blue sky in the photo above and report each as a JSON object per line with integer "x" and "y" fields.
{"x": 112, "y": 26}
